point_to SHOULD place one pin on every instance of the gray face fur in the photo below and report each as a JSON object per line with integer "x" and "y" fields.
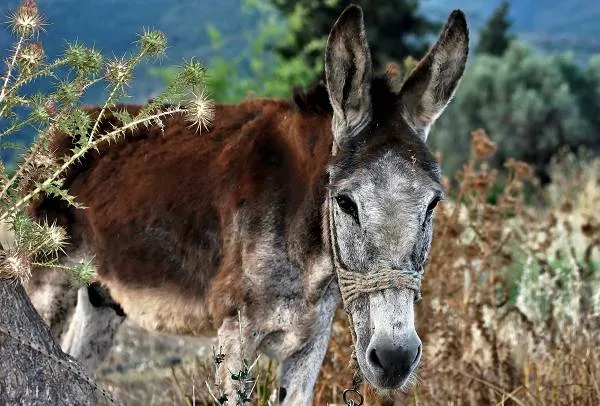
{"x": 385, "y": 183}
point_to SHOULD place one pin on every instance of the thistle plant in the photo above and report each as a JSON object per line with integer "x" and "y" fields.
{"x": 39, "y": 171}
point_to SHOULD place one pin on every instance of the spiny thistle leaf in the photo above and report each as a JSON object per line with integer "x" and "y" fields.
{"x": 54, "y": 189}
{"x": 84, "y": 271}
{"x": 12, "y": 145}
{"x": 39, "y": 108}
{"x": 33, "y": 239}
{"x": 77, "y": 122}
{"x": 87, "y": 61}
{"x": 124, "y": 117}
{"x": 25, "y": 231}
{"x": 152, "y": 43}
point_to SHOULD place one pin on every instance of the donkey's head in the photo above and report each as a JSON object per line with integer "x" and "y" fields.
{"x": 384, "y": 185}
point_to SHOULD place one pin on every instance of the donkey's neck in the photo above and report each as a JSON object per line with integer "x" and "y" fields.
{"x": 308, "y": 138}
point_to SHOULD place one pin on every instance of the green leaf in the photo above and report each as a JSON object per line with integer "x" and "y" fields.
{"x": 54, "y": 189}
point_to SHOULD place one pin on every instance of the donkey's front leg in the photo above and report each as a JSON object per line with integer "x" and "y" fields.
{"x": 235, "y": 354}
{"x": 298, "y": 373}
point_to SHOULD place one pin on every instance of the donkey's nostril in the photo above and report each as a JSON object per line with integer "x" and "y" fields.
{"x": 418, "y": 354}
{"x": 374, "y": 359}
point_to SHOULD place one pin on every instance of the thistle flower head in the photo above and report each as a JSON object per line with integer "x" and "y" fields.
{"x": 26, "y": 21}
{"x": 200, "y": 111}
{"x": 85, "y": 60}
{"x": 55, "y": 239}
{"x": 68, "y": 92}
{"x": 14, "y": 265}
{"x": 84, "y": 271}
{"x": 192, "y": 73}
{"x": 50, "y": 107}
{"x": 118, "y": 71}
{"x": 153, "y": 43}
{"x": 31, "y": 56}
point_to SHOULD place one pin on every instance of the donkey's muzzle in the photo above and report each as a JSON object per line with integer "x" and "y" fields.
{"x": 392, "y": 361}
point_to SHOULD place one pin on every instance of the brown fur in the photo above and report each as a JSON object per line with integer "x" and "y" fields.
{"x": 159, "y": 206}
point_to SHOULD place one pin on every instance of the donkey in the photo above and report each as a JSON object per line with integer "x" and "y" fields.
{"x": 262, "y": 226}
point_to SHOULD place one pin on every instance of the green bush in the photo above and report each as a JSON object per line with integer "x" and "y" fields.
{"x": 530, "y": 104}
{"x": 258, "y": 71}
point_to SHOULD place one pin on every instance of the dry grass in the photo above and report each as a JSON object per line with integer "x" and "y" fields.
{"x": 511, "y": 297}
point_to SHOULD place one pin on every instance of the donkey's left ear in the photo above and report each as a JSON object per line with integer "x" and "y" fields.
{"x": 430, "y": 86}
{"x": 348, "y": 73}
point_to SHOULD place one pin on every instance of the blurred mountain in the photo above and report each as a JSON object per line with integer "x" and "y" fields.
{"x": 111, "y": 25}
{"x": 551, "y": 26}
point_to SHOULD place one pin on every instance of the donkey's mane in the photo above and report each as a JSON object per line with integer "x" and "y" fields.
{"x": 315, "y": 98}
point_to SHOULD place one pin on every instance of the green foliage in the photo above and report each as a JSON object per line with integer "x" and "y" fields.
{"x": 40, "y": 171}
{"x": 286, "y": 49}
{"x": 530, "y": 104}
{"x": 396, "y": 30}
{"x": 494, "y": 39}
{"x": 256, "y": 72}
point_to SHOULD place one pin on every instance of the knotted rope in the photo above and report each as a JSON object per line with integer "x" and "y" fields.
{"x": 354, "y": 284}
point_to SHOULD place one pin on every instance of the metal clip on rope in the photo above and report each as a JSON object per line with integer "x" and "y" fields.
{"x": 349, "y": 394}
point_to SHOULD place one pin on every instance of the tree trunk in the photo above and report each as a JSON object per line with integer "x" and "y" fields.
{"x": 33, "y": 368}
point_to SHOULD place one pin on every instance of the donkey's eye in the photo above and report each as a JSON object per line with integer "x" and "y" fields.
{"x": 347, "y": 205}
{"x": 432, "y": 205}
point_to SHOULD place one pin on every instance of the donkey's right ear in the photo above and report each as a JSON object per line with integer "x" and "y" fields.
{"x": 348, "y": 73}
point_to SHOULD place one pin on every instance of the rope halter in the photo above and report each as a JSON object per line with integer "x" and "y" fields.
{"x": 354, "y": 284}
